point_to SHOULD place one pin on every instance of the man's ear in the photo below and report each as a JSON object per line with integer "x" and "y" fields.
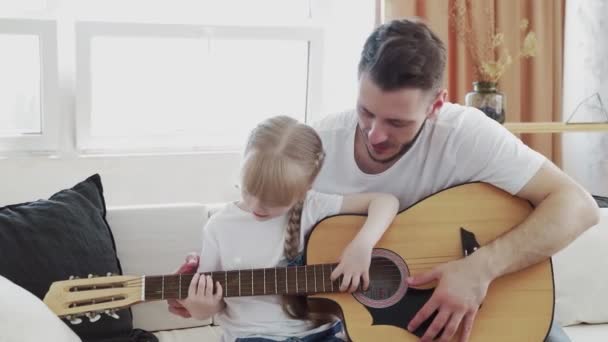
{"x": 437, "y": 103}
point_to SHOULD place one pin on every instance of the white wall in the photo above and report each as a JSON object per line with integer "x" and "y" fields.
{"x": 585, "y": 73}
{"x": 208, "y": 177}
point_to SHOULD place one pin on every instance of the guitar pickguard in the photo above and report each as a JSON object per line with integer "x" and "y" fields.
{"x": 400, "y": 314}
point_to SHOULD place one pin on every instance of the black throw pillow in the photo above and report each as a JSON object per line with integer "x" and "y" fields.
{"x": 49, "y": 240}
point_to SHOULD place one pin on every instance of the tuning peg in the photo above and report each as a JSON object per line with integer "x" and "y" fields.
{"x": 71, "y": 277}
{"x": 109, "y": 274}
{"x": 112, "y": 313}
{"x": 91, "y": 276}
{"x": 93, "y": 316}
{"x": 74, "y": 319}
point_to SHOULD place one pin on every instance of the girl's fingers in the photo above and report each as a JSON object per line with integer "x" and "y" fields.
{"x": 345, "y": 282}
{"x": 354, "y": 283}
{"x": 365, "y": 280}
{"x": 336, "y": 272}
{"x": 202, "y": 281}
{"x": 193, "y": 285}
{"x": 209, "y": 286}
{"x": 219, "y": 292}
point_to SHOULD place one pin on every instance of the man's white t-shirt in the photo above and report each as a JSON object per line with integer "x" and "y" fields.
{"x": 460, "y": 145}
{"x": 233, "y": 239}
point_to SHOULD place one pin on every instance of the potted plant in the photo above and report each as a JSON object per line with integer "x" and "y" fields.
{"x": 489, "y": 56}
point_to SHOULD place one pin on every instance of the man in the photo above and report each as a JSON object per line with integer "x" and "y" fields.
{"x": 405, "y": 139}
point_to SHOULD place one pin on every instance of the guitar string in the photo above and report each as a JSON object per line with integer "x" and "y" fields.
{"x": 376, "y": 263}
{"x": 300, "y": 269}
{"x": 290, "y": 283}
{"x": 257, "y": 286}
{"x": 187, "y": 278}
{"x": 186, "y": 281}
{"x": 392, "y": 276}
{"x": 173, "y": 277}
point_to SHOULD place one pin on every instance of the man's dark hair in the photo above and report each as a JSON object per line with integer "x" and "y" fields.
{"x": 404, "y": 54}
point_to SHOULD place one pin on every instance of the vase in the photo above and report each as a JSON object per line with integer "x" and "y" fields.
{"x": 486, "y": 98}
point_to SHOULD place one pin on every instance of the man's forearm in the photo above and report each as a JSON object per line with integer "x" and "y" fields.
{"x": 554, "y": 223}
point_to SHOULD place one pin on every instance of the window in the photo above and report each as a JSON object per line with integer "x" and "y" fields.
{"x": 179, "y": 75}
{"x": 22, "y": 5}
{"x": 155, "y": 86}
{"x": 28, "y": 86}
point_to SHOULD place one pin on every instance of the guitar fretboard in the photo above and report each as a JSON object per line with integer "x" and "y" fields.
{"x": 296, "y": 280}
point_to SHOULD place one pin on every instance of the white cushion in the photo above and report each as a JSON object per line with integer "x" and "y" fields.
{"x": 25, "y": 318}
{"x": 202, "y": 334}
{"x": 154, "y": 240}
{"x": 588, "y": 332}
{"x": 581, "y": 277}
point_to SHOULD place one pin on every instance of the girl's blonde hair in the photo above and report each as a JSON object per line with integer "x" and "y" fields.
{"x": 282, "y": 159}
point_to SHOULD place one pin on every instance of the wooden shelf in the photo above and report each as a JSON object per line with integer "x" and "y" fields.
{"x": 555, "y": 127}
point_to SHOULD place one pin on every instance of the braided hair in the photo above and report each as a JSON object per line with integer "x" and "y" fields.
{"x": 282, "y": 159}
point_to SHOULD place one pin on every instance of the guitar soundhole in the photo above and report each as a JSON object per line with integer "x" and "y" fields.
{"x": 387, "y": 284}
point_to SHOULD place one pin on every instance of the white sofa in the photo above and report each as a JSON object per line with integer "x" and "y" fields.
{"x": 155, "y": 239}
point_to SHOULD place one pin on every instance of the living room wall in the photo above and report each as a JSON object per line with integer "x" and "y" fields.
{"x": 128, "y": 180}
{"x": 585, "y": 155}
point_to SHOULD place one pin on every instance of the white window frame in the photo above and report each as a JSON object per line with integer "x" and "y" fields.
{"x": 48, "y": 140}
{"x": 86, "y": 30}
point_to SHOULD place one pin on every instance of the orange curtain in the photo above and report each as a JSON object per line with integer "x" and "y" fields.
{"x": 533, "y": 86}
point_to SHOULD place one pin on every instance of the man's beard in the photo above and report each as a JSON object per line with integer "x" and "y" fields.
{"x": 397, "y": 155}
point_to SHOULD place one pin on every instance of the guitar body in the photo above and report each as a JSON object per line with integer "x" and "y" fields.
{"x": 518, "y": 306}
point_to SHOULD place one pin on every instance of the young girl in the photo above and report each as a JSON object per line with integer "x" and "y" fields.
{"x": 267, "y": 228}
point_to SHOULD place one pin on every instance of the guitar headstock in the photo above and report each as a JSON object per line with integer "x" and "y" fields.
{"x": 93, "y": 296}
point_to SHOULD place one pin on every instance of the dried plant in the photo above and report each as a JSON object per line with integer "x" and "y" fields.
{"x": 490, "y": 56}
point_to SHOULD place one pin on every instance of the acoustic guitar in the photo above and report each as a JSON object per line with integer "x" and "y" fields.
{"x": 446, "y": 226}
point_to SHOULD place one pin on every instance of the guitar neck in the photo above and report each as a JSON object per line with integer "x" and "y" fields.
{"x": 295, "y": 280}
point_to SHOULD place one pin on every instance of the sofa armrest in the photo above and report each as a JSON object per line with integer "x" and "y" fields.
{"x": 581, "y": 280}
{"x": 154, "y": 240}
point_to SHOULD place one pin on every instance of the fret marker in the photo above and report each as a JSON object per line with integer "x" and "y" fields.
{"x": 162, "y": 288}
{"x": 331, "y": 268}
{"x": 275, "y": 281}
{"x": 143, "y": 288}
{"x": 296, "y": 279}
{"x": 179, "y": 289}
{"x": 306, "y": 277}
{"x": 314, "y": 270}
{"x": 239, "y": 283}
{"x": 264, "y": 281}
{"x": 226, "y": 283}
{"x": 286, "y": 288}
{"x": 323, "y": 276}
{"x": 252, "y": 281}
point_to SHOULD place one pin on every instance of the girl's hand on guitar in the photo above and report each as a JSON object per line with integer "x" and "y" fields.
{"x": 461, "y": 287}
{"x": 354, "y": 266}
{"x": 188, "y": 267}
{"x": 201, "y": 302}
